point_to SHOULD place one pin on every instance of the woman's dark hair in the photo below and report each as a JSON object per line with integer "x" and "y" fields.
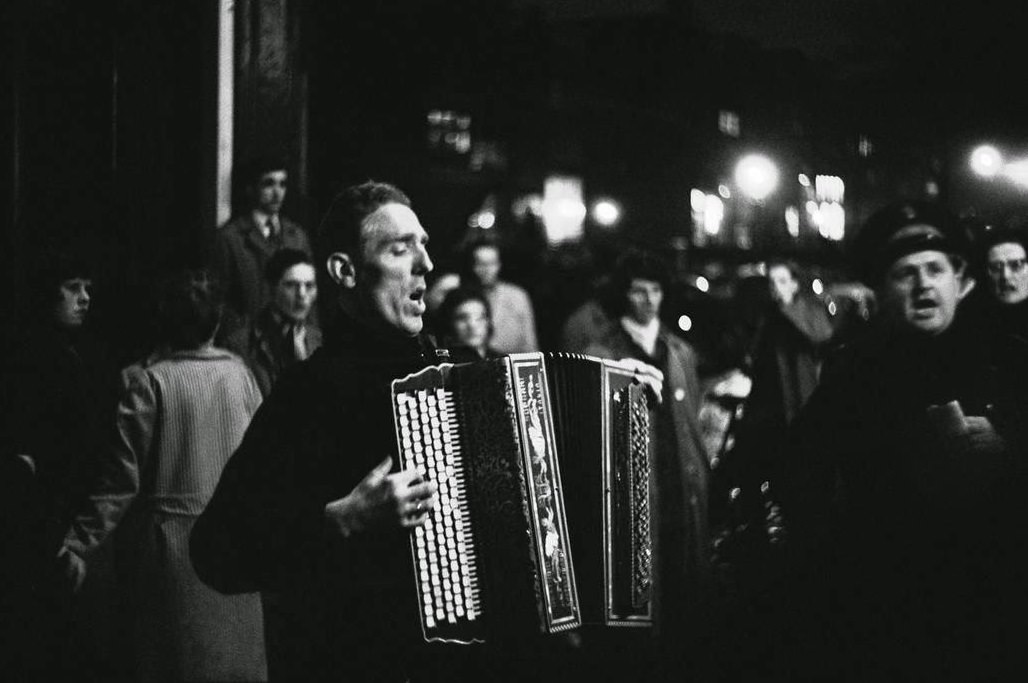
{"x": 453, "y": 301}
{"x": 48, "y": 270}
{"x": 189, "y": 309}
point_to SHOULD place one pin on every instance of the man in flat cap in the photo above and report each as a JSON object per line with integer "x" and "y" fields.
{"x": 903, "y": 486}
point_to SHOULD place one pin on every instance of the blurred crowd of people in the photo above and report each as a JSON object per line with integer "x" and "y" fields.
{"x": 843, "y": 502}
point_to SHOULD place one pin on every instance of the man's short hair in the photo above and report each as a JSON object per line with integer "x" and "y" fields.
{"x": 340, "y": 229}
{"x": 637, "y": 264}
{"x": 251, "y": 171}
{"x": 189, "y": 309}
{"x": 891, "y": 233}
{"x": 281, "y": 261}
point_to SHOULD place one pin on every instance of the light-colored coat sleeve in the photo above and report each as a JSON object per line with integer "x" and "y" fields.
{"x": 528, "y": 322}
{"x": 118, "y": 482}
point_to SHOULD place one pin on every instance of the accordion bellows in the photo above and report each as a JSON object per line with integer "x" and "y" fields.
{"x": 497, "y": 559}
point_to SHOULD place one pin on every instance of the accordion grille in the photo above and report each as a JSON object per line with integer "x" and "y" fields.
{"x": 639, "y": 437}
{"x": 444, "y": 557}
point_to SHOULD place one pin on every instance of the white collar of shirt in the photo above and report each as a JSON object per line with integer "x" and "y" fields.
{"x": 643, "y": 335}
{"x": 260, "y": 219}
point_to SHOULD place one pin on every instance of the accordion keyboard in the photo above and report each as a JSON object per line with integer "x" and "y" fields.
{"x": 444, "y": 546}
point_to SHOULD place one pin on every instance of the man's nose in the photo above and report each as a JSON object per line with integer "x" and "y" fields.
{"x": 423, "y": 263}
{"x": 84, "y": 297}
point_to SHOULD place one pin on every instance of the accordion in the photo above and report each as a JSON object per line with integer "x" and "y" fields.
{"x": 494, "y": 560}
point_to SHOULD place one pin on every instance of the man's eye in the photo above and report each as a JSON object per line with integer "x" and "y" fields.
{"x": 902, "y": 275}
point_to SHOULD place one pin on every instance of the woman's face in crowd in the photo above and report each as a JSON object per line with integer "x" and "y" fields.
{"x": 470, "y": 325}
{"x": 72, "y": 305}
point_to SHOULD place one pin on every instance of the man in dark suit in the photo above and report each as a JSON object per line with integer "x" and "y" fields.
{"x": 245, "y": 243}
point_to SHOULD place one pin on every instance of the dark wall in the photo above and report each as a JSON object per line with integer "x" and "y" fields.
{"x": 109, "y": 144}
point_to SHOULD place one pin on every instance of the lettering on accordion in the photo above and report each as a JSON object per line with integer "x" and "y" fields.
{"x": 493, "y": 560}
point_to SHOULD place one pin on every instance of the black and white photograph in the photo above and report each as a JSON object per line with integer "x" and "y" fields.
{"x": 424, "y": 341}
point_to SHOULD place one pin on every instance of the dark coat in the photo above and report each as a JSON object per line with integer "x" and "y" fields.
{"x": 682, "y": 477}
{"x": 787, "y": 359}
{"x": 56, "y": 406}
{"x": 240, "y": 256}
{"x": 917, "y": 545}
{"x": 263, "y": 346}
{"x": 326, "y": 424}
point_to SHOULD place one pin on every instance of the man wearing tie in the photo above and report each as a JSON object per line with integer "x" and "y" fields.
{"x": 246, "y": 243}
{"x": 282, "y": 333}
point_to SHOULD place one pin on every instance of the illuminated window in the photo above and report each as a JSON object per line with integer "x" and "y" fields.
{"x": 449, "y": 132}
{"x": 728, "y": 123}
{"x": 563, "y": 210}
{"x": 864, "y": 146}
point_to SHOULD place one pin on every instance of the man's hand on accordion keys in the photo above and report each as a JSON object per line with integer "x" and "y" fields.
{"x": 383, "y": 499}
{"x": 648, "y": 375}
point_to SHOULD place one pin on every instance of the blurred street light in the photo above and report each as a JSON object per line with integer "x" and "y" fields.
{"x": 756, "y": 176}
{"x": 606, "y": 212}
{"x": 486, "y": 219}
{"x": 1017, "y": 171}
{"x": 713, "y": 214}
{"x": 563, "y": 211}
{"x": 792, "y": 220}
{"x": 697, "y": 200}
{"x": 986, "y": 161}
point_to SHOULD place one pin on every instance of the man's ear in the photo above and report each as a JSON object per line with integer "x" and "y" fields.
{"x": 967, "y": 283}
{"x": 342, "y": 269}
{"x": 964, "y": 278}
